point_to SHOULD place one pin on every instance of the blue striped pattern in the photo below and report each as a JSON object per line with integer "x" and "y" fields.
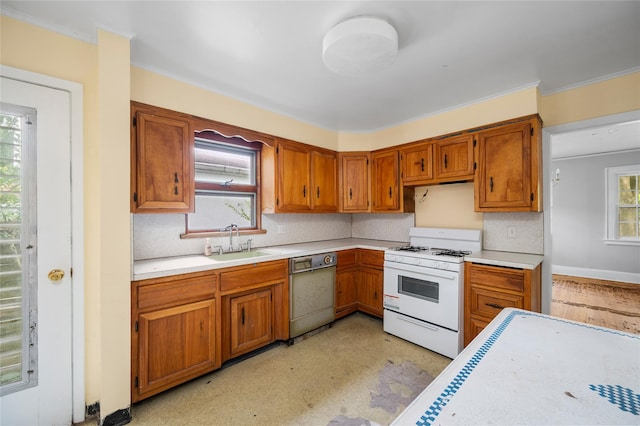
{"x": 447, "y": 394}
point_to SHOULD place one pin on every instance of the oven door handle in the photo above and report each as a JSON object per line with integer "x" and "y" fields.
{"x": 403, "y": 269}
{"x": 418, "y": 323}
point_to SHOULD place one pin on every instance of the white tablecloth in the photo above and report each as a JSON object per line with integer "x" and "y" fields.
{"x": 530, "y": 368}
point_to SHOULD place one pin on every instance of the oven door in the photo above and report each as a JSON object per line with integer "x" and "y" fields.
{"x": 427, "y": 294}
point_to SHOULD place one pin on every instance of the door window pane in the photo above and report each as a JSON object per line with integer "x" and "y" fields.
{"x": 17, "y": 267}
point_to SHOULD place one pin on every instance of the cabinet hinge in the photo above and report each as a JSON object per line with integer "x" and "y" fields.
{"x": 532, "y": 196}
{"x": 271, "y": 297}
{"x": 277, "y": 150}
{"x": 474, "y": 142}
{"x": 367, "y": 161}
{"x": 475, "y": 165}
{"x": 136, "y": 326}
{"x": 136, "y": 381}
{"x": 135, "y": 122}
{"x": 135, "y": 197}
{"x": 532, "y": 131}
{"x": 277, "y": 201}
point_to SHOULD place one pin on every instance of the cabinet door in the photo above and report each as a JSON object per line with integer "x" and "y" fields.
{"x": 354, "y": 182}
{"x": 417, "y": 163}
{"x": 175, "y": 344}
{"x": 251, "y": 321}
{"x": 162, "y": 158}
{"x": 294, "y": 178}
{"x": 504, "y": 176}
{"x": 346, "y": 281}
{"x": 324, "y": 166}
{"x": 454, "y": 158}
{"x": 369, "y": 291}
{"x": 386, "y": 189}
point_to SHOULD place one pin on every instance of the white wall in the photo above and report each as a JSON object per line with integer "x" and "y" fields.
{"x": 578, "y": 208}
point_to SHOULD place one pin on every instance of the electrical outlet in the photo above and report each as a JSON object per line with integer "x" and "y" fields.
{"x": 511, "y": 232}
{"x": 282, "y": 229}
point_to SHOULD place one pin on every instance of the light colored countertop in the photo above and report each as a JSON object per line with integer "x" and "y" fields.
{"x": 533, "y": 369}
{"x": 166, "y": 266}
{"x": 503, "y": 258}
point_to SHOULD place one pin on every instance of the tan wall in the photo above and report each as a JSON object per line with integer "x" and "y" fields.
{"x": 155, "y": 89}
{"x": 106, "y": 192}
{"x": 613, "y": 96}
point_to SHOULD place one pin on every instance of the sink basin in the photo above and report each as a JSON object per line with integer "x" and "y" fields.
{"x": 240, "y": 255}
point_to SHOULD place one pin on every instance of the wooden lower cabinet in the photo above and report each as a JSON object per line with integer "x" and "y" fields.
{"x": 255, "y": 306}
{"x": 174, "y": 332}
{"x": 250, "y": 321}
{"x": 489, "y": 289}
{"x": 359, "y": 282}
{"x": 370, "y": 291}
{"x": 347, "y": 273}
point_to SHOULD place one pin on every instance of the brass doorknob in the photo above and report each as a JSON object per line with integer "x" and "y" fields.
{"x": 56, "y": 274}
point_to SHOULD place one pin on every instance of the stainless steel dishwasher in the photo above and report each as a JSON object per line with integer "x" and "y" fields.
{"x": 311, "y": 292}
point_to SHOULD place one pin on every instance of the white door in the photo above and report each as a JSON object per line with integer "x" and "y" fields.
{"x": 48, "y": 401}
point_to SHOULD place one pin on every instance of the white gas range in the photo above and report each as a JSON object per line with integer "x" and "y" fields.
{"x": 423, "y": 287}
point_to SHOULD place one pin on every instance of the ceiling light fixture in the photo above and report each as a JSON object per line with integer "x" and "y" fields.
{"x": 359, "y": 45}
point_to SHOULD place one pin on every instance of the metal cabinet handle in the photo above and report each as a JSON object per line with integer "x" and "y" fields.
{"x": 493, "y": 305}
{"x": 390, "y": 193}
{"x": 304, "y": 191}
{"x": 175, "y": 177}
{"x": 350, "y": 194}
{"x": 242, "y": 316}
{"x": 491, "y": 183}
{"x": 445, "y": 161}
{"x": 318, "y": 192}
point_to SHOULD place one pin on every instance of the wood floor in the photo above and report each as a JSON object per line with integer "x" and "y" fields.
{"x": 604, "y": 303}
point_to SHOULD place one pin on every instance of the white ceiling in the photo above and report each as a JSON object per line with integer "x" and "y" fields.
{"x": 268, "y": 53}
{"x": 597, "y": 140}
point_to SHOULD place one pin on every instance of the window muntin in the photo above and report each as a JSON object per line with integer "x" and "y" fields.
{"x": 623, "y": 197}
{"x": 226, "y": 184}
{"x": 18, "y": 279}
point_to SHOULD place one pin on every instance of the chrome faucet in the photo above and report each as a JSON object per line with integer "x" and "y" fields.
{"x": 230, "y": 229}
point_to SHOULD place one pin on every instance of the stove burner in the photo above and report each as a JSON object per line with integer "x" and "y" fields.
{"x": 452, "y": 253}
{"x": 411, "y": 248}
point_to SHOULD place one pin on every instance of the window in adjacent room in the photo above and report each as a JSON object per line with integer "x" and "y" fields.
{"x": 226, "y": 184}
{"x": 623, "y": 198}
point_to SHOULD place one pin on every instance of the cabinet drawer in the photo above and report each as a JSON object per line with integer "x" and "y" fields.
{"x": 250, "y": 275}
{"x": 489, "y": 303}
{"x": 497, "y": 277}
{"x": 176, "y": 292}
{"x": 346, "y": 258}
{"x": 372, "y": 258}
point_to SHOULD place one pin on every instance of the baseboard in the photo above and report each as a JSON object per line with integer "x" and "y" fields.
{"x": 601, "y": 274}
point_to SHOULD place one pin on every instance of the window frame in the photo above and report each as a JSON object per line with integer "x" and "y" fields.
{"x": 612, "y": 175}
{"x": 231, "y": 188}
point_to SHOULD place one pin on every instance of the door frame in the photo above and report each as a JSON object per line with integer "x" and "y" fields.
{"x": 75, "y": 91}
{"x": 547, "y": 134}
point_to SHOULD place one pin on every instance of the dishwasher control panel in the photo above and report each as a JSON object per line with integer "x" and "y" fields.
{"x": 309, "y": 263}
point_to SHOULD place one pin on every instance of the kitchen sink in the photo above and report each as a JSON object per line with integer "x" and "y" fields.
{"x": 240, "y": 255}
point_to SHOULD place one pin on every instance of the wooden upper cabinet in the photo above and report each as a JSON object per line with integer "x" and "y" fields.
{"x": 385, "y": 182}
{"x": 161, "y": 161}
{"x": 294, "y": 177}
{"x": 324, "y": 178}
{"x": 386, "y": 191}
{"x": 417, "y": 162}
{"x": 454, "y": 158}
{"x": 354, "y": 181}
{"x": 305, "y": 179}
{"x": 508, "y": 174}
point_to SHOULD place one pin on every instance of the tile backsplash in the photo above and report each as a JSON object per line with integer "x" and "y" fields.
{"x": 158, "y": 235}
{"x": 528, "y": 229}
